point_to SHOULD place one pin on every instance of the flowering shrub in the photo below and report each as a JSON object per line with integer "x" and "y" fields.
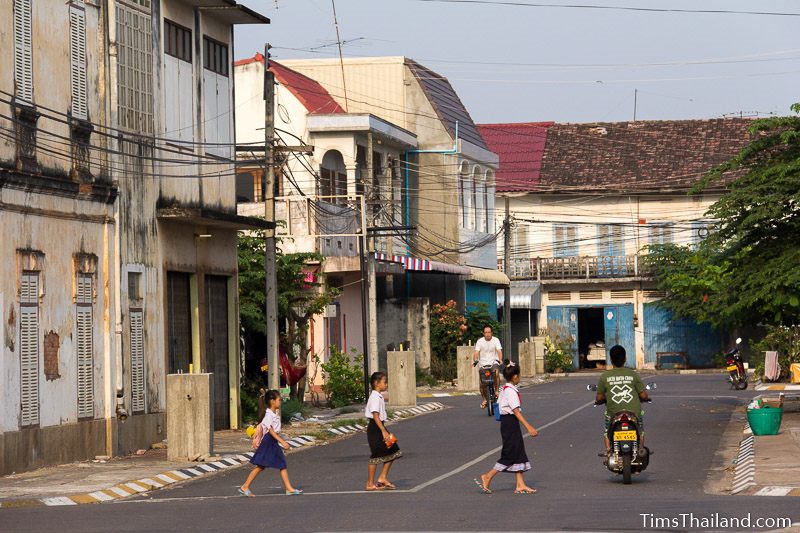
{"x": 557, "y": 349}
{"x": 448, "y": 327}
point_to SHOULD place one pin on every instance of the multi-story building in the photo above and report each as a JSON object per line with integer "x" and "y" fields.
{"x": 587, "y": 200}
{"x": 119, "y": 220}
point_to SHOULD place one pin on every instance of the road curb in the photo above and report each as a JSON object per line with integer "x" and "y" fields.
{"x": 745, "y": 473}
{"x": 159, "y": 481}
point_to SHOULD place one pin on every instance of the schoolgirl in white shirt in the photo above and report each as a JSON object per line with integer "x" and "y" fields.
{"x": 512, "y": 457}
{"x": 383, "y": 447}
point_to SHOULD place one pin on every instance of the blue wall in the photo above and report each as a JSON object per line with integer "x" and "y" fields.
{"x": 482, "y": 293}
{"x": 664, "y": 333}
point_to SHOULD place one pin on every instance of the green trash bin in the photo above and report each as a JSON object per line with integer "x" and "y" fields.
{"x": 765, "y": 421}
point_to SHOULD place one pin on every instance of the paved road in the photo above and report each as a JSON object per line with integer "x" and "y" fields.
{"x": 443, "y": 452}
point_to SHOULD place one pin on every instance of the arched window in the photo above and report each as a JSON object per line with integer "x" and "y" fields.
{"x": 489, "y": 201}
{"x": 477, "y": 195}
{"x": 332, "y": 177}
{"x": 465, "y": 189}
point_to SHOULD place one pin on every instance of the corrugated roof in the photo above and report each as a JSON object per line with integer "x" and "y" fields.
{"x": 314, "y": 97}
{"x": 521, "y": 148}
{"x": 612, "y": 156}
{"x": 447, "y": 104}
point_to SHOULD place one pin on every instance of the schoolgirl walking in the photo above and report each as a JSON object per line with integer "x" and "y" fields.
{"x": 382, "y": 444}
{"x": 269, "y": 447}
{"x": 512, "y": 456}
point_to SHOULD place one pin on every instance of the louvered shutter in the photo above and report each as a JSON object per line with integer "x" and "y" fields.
{"x": 77, "y": 57}
{"x": 137, "y": 361}
{"x": 29, "y": 349}
{"x": 85, "y": 347}
{"x": 23, "y": 50}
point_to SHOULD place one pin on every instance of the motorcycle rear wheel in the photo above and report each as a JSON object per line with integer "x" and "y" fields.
{"x": 626, "y": 469}
{"x": 741, "y": 384}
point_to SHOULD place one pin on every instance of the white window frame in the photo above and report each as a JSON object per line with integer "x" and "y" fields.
{"x": 29, "y": 348}
{"x": 84, "y": 346}
{"x": 23, "y": 50}
{"x": 77, "y": 60}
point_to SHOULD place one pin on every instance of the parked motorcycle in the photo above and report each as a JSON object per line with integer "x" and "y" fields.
{"x": 737, "y": 375}
{"x": 628, "y": 454}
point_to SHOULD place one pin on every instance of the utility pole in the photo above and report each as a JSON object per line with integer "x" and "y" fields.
{"x": 635, "y": 98}
{"x": 372, "y": 303}
{"x": 269, "y": 214}
{"x": 507, "y": 290}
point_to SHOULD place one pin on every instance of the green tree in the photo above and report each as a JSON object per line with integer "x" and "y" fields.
{"x": 745, "y": 271}
{"x": 299, "y": 299}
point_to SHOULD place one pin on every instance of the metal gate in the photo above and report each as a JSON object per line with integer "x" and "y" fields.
{"x": 217, "y": 346}
{"x": 618, "y": 323}
{"x": 179, "y": 322}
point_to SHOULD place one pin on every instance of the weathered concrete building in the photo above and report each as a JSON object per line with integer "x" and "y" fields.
{"x": 118, "y": 220}
{"x": 587, "y": 200}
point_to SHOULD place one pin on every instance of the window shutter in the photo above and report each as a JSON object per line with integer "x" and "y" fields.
{"x": 85, "y": 347}
{"x": 137, "y": 361}
{"x": 77, "y": 57}
{"x": 29, "y": 349}
{"x": 23, "y": 50}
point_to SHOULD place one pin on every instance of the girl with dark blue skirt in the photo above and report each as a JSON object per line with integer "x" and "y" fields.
{"x": 269, "y": 453}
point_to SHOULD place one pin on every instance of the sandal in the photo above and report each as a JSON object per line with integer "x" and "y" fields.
{"x": 386, "y": 485}
{"x": 246, "y": 492}
{"x": 483, "y": 404}
{"x": 525, "y": 491}
{"x": 482, "y": 487}
{"x": 375, "y": 487}
{"x": 295, "y": 492}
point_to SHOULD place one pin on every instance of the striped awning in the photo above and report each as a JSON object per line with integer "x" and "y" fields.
{"x": 423, "y": 265}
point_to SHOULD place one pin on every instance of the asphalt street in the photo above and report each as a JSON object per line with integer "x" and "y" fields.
{"x": 444, "y": 451}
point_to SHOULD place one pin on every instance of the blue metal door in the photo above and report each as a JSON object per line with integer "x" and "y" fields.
{"x": 665, "y": 333}
{"x": 618, "y": 322}
{"x": 566, "y": 320}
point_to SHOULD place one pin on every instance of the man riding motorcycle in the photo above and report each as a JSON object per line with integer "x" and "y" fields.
{"x": 621, "y": 389}
{"x": 488, "y": 352}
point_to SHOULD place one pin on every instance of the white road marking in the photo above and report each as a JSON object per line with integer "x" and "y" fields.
{"x": 102, "y": 496}
{"x": 774, "y": 491}
{"x": 493, "y": 451}
{"x": 58, "y": 500}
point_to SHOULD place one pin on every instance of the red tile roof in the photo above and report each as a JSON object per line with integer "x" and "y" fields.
{"x": 521, "y": 149}
{"x": 310, "y": 93}
{"x": 636, "y": 156}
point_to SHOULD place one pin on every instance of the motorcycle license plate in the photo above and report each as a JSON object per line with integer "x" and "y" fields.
{"x": 732, "y": 368}
{"x": 624, "y": 435}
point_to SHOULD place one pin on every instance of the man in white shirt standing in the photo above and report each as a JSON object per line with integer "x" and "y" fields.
{"x": 488, "y": 352}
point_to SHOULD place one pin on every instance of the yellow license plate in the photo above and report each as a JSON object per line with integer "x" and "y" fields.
{"x": 733, "y": 367}
{"x": 624, "y": 435}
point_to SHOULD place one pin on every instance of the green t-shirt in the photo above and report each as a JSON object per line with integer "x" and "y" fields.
{"x": 621, "y": 387}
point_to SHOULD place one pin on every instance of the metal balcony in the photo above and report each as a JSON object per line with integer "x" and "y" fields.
{"x": 576, "y": 268}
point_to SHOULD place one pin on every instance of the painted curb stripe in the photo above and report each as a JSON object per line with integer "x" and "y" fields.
{"x": 243, "y": 458}
{"x": 135, "y": 486}
{"x": 220, "y": 464}
{"x": 178, "y": 474}
{"x": 230, "y": 461}
{"x": 82, "y": 498}
{"x": 58, "y": 500}
{"x": 207, "y": 468}
{"x": 101, "y": 496}
{"x": 151, "y": 482}
{"x": 120, "y": 491}
{"x": 192, "y": 472}
{"x": 166, "y": 478}
{"x": 774, "y": 491}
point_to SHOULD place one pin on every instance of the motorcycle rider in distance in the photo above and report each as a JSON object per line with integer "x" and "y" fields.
{"x": 621, "y": 389}
{"x": 488, "y": 352}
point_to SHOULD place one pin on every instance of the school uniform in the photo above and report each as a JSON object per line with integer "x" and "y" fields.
{"x": 380, "y": 453}
{"x": 269, "y": 453}
{"x": 512, "y": 457}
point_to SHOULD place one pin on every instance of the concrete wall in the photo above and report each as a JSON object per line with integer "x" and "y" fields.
{"x": 405, "y": 321}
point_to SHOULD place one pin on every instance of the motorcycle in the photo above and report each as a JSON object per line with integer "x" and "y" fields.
{"x": 737, "y": 375}
{"x": 628, "y": 454}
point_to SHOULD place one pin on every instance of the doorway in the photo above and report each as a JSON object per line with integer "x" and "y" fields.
{"x": 591, "y": 338}
{"x": 179, "y": 322}
{"x": 217, "y": 346}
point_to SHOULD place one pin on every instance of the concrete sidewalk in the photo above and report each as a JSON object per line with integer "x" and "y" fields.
{"x": 770, "y": 465}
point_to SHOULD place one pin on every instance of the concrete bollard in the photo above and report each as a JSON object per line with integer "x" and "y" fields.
{"x": 467, "y": 374}
{"x": 538, "y": 354}
{"x": 402, "y": 376}
{"x": 527, "y": 365}
{"x": 190, "y": 416}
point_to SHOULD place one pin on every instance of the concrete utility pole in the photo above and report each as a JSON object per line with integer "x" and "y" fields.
{"x": 269, "y": 215}
{"x": 507, "y": 290}
{"x": 372, "y": 303}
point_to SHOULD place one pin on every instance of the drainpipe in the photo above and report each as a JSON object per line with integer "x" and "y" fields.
{"x": 453, "y": 150}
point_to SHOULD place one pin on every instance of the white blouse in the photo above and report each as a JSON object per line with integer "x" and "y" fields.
{"x": 273, "y": 420}
{"x": 376, "y": 404}
{"x": 509, "y": 400}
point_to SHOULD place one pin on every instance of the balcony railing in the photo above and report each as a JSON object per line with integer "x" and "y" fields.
{"x": 575, "y": 268}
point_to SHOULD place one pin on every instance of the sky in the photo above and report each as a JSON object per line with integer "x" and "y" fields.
{"x": 520, "y": 63}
